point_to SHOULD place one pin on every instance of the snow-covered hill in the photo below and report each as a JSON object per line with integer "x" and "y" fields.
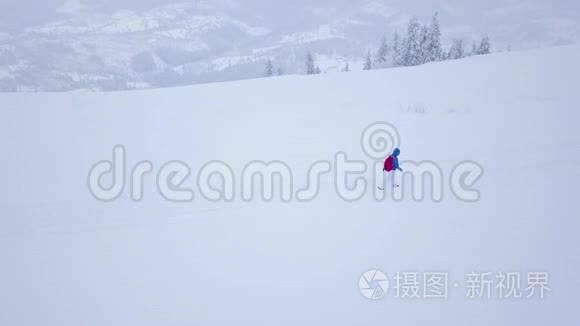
{"x": 69, "y": 259}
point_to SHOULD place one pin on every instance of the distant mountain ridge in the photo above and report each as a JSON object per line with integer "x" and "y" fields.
{"x": 184, "y": 44}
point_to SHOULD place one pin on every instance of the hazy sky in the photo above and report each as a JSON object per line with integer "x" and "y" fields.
{"x": 529, "y": 20}
{"x": 16, "y": 14}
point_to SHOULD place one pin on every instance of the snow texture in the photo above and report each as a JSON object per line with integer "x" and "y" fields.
{"x": 68, "y": 259}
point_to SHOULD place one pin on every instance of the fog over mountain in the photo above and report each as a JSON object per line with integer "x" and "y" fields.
{"x": 115, "y": 45}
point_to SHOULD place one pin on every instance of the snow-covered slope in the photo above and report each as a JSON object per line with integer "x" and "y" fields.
{"x": 68, "y": 259}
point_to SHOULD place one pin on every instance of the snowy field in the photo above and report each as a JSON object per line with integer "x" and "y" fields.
{"x": 67, "y": 258}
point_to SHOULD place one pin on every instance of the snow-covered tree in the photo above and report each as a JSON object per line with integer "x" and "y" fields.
{"x": 396, "y": 50}
{"x": 423, "y": 44}
{"x": 382, "y": 53}
{"x": 474, "y": 49}
{"x": 346, "y": 67}
{"x": 310, "y": 65}
{"x": 412, "y": 44}
{"x": 279, "y": 71}
{"x": 484, "y": 46}
{"x": 269, "y": 69}
{"x": 457, "y": 51}
{"x": 433, "y": 48}
{"x": 368, "y": 65}
{"x": 317, "y": 70}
